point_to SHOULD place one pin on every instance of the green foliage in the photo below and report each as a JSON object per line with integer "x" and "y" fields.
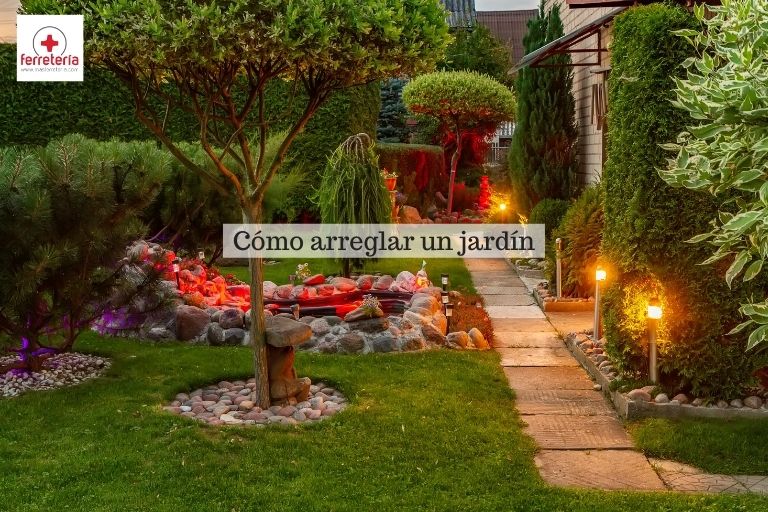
{"x": 391, "y": 126}
{"x": 647, "y": 222}
{"x": 460, "y": 100}
{"x": 725, "y": 151}
{"x": 67, "y": 213}
{"x": 478, "y": 50}
{"x": 463, "y": 102}
{"x": 549, "y": 212}
{"x": 581, "y": 230}
{"x": 542, "y": 154}
{"x": 421, "y": 169}
{"x": 352, "y": 190}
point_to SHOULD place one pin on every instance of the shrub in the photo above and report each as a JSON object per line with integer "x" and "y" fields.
{"x": 478, "y": 50}
{"x": 647, "y": 222}
{"x": 582, "y": 232}
{"x": 549, "y": 212}
{"x": 65, "y": 230}
{"x": 421, "y": 169}
{"x": 391, "y": 126}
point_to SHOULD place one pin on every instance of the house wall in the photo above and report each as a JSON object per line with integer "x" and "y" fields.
{"x": 591, "y": 154}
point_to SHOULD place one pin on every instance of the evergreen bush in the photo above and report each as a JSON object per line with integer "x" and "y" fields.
{"x": 549, "y": 212}
{"x": 647, "y": 222}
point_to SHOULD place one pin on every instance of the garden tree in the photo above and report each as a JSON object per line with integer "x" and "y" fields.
{"x": 542, "y": 153}
{"x": 352, "y": 189}
{"x": 220, "y": 56}
{"x": 725, "y": 151}
{"x": 67, "y": 213}
{"x": 462, "y": 101}
{"x": 478, "y": 50}
{"x": 391, "y": 126}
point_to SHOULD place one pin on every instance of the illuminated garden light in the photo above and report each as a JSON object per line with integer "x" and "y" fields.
{"x": 654, "y": 315}
{"x": 654, "y": 309}
{"x": 176, "y": 270}
{"x": 600, "y": 276}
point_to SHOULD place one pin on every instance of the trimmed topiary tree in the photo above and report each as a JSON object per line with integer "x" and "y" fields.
{"x": 220, "y": 57}
{"x": 480, "y": 51}
{"x": 461, "y": 101}
{"x": 542, "y": 154}
{"x": 647, "y": 222}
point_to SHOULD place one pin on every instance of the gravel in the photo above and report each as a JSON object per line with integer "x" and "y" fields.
{"x": 61, "y": 370}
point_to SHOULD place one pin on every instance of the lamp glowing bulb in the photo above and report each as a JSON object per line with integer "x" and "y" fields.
{"x": 503, "y": 206}
{"x": 600, "y": 274}
{"x": 654, "y": 309}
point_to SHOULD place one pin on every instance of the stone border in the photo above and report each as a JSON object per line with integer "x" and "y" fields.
{"x": 631, "y": 410}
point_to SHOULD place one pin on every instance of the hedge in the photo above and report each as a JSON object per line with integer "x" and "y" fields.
{"x": 421, "y": 169}
{"x": 549, "y": 212}
{"x": 100, "y": 107}
{"x": 647, "y": 222}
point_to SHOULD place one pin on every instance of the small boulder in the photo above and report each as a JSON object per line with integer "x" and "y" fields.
{"x": 736, "y": 403}
{"x": 370, "y": 325}
{"x": 286, "y": 332}
{"x": 460, "y": 338}
{"x": 319, "y": 327}
{"x": 478, "y": 339}
{"x": 351, "y": 343}
{"x": 661, "y": 398}
{"x": 432, "y": 335}
{"x": 314, "y": 280}
{"x": 425, "y": 301}
{"x": 302, "y": 292}
{"x": 268, "y": 289}
{"x": 327, "y": 347}
{"x": 383, "y": 282}
{"x": 409, "y": 215}
{"x": 325, "y": 290}
{"x": 215, "y": 335}
{"x": 190, "y": 322}
{"x": 284, "y": 291}
{"x": 639, "y": 395}
{"x": 160, "y": 334}
{"x": 234, "y": 337}
{"x": 753, "y": 402}
{"x": 344, "y": 284}
{"x": 412, "y": 342}
{"x": 365, "y": 282}
{"x": 231, "y": 318}
{"x": 440, "y": 321}
{"x": 383, "y": 343}
{"x": 362, "y": 313}
{"x": 332, "y": 320}
{"x": 681, "y": 397}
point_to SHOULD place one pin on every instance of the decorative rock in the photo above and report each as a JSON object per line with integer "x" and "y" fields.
{"x": 365, "y": 282}
{"x": 432, "y": 335}
{"x": 325, "y": 290}
{"x": 428, "y": 302}
{"x": 412, "y": 342}
{"x": 363, "y": 313}
{"x": 722, "y": 404}
{"x": 661, "y": 398}
{"x": 286, "y": 332}
{"x": 314, "y": 280}
{"x": 371, "y": 325}
{"x": 190, "y": 322}
{"x": 332, "y": 320}
{"x": 351, "y": 343}
{"x": 231, "y": 318}
{"x": 215, "y": 335}
{"x": 383, "y": 343}
{"x": 234, "y": 337}
{"x": 697, "y": 402}
{"x": 409, "y": 215}
{"x": 460, "y": 338}
{"x": 753, "y": 402}
{"x": 268, "y": 289}
{"x": 160, "y": 334}
{"x": 320, "y": 326}
{"x": 383, "y": 282}
{"x": 284, "y": 291}
{"x": 327, "y": 347}
{"x": 246, "y": 405}
{"x": 440, "y": 321}
{"x": 681, "y": 398}
{"x": 597, "y": 387}
{"x": 478, "y": 339}
{"x": 416, "y": 319}
{"x": 737, "y": 404}
{"x": 344, "y": 284}
{"x": 639, "y": 395}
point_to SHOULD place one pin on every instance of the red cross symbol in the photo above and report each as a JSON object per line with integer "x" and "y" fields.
{"x": 49, "y": 43}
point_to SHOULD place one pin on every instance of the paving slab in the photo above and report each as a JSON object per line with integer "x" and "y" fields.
{"x": 509, "y": 300}
{"x": 514, "y": 312}
{"x": 684, "y": 478}
{"x": 486, "y": 264}
{"x": 598, "y": 469}
{"x": 574, "y": 402}
{"x": 561, "y": 377}
{"x": 564, "y": 432}
{"x": 517, "y": 339}
{"x": 537, "y": 356}
{"x": 502, "y": 325}
{"x": 502, "y": 290}
{"x": 565, "y": 323}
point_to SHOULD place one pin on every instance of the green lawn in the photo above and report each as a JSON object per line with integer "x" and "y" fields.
{"x": 736, "y": 447}
{"x": 424, "y": 431}
{"x": 454, "y": 267}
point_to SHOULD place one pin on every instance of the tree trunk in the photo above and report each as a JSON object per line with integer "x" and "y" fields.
{"x": 30, "y": 357}
{"x": 454, "y": 166}
{"x": 258, "y": 320}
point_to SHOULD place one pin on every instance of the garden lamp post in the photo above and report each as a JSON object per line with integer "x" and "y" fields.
{"x": 559, "y": 267}
{"x": 448, "y": 315}
{"x": 444, "y": 281}
{"x": 503, "y": 208}
{"x": 444, "y": 297}
{"x": 600, "y": 276}
{"x": 654, "y": 315}
{"x": 201, "y": 255}
{"x": 176, "y": 270}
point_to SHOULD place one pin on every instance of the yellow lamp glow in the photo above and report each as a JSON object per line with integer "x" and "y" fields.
{"x": 503, "y": 206}
{"x": 600, "y": 274}
{"x": 654, "y": 309}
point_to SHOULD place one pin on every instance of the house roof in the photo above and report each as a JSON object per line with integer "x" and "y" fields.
{"x": 461, "y": 13}
{"x": 565, "y": 43}
{"x": 509, "y": 27}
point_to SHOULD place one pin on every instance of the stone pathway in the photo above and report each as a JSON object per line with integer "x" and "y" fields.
{"x": 581, "y": 439}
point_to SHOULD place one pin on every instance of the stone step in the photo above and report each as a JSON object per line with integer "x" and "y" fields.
{"x": 569, "y": 377}
{"x": 502, "y": 325}
{"x": 517, "y": 339}
{"x": 598, "y": 469}
{"x": 514, "y": 312}
{"x": 573, "y": 402}
{"x": 566, "y": 432}
{"x": 487, "y": 291}
{"x": 509, "y": 300}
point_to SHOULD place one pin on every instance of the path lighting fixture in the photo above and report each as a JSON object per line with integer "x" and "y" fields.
{"x": 201, "y": 255}
{"x": 600, "y": 276}
{"x": 448, "y": 315}
{"x": 503, "y": 208}
{"x": 478, "y": 304}
{"x": 444, "y": 296}
{"x": 176, "y": 270}
{"x": 444, "y": 281}
{"x": 559, "y": 266}
{"x": 654, "y": 315}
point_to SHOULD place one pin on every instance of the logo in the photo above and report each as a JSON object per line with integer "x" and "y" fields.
{"x": 49, "y": 48}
